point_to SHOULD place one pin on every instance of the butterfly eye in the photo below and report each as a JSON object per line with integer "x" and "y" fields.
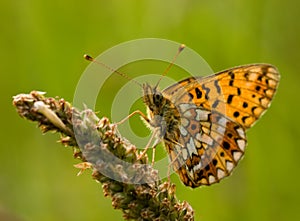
{"x": 157, "y": 98}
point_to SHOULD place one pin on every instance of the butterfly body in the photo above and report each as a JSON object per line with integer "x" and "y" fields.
{"x": 202, "y": 120}
{"x": 162, "y": 114}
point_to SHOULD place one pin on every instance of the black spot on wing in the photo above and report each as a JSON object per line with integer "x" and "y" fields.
{"x": 264, "y": 70}
{"x": 231, "y": 74}
{"x": 226, "y": 145}
{"x": 207, "y": 167}
{"x": 198, "y": 93}
{"x": 217, "y": 87}
{"x": 236, "y": 114}
{"x": 244, "y": 119}
{"x": 215, "y": 104}
{"x": 259, "y": 78}
{"x": 215, "y": 162}
{"x": 229, "y": 99}
{"x": 253, "y": 109}
{"x": 193, "y": 127}
{"x": 207, "y": 90}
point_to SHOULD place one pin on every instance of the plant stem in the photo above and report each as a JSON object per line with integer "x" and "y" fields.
{"x": 133, "y": 185}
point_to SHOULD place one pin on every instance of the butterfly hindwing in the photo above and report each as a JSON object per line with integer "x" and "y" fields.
{"x": 211, "y": 146}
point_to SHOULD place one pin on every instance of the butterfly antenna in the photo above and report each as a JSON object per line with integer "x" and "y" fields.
{"x": 90, "y": 58}
{"x": 180, "y": 49}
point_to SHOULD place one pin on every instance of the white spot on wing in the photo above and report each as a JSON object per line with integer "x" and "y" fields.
{"x": 221, "y": 130}
{"x": 229, "y": 166}
{"x": 197, "y": 167}
{"x": 211, "y": 179}
{"x": 187, "y": 114}
{"x": 253, "y": 76}
{"x": 241, "y": 132}
{"x": 206, "y": 139}
{"x": 273, "y": 73}
{"x": 183, "y": 131}
{"x": 237, "y": 155}
{"x": 184, "y": 122}
{"x": 202, "y": 115}
{"x": 265, "y": 102}
{"x": 184, "y": 107}
{"x": 191, "y": 174}
{"x": 220, "y": 174}
{"x": 241, "y": 144}
{"x": 272, "y": 83}
{"x": 184, "y": 154}
{"x": 270, "y": 93}
{"x": 198, "y": 111}
{"x": 222, "y": 121}
{"x": 191, "y": 147}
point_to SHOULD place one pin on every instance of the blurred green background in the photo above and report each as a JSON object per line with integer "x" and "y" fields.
{"x": 42, "y": 43}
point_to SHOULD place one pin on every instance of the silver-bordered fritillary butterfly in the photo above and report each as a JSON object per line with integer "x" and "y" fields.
{"x": 202, "y": 120}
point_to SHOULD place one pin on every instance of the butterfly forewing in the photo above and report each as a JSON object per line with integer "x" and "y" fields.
{"x": 215, "y": 111}
{"x": 242, "y": 93}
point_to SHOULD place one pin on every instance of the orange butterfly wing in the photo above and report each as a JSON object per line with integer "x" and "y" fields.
{"x": 244, "y": 92}
{"x": 215, "y": 112}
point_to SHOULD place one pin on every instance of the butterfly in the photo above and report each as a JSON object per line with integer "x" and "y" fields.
{"x": 202, "y": 121}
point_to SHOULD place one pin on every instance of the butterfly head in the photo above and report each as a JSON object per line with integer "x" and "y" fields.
{"x": 153, "y": 98}
{"x": 156, "y": 104}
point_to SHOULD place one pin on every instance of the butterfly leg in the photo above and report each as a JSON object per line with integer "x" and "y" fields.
{"x": 149, "y": 144}
{"x": 132, "y": 114}
{"x": 153, "y": 155}
{"x": 150, "y": 140}
{"x": 157, "y": 141}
